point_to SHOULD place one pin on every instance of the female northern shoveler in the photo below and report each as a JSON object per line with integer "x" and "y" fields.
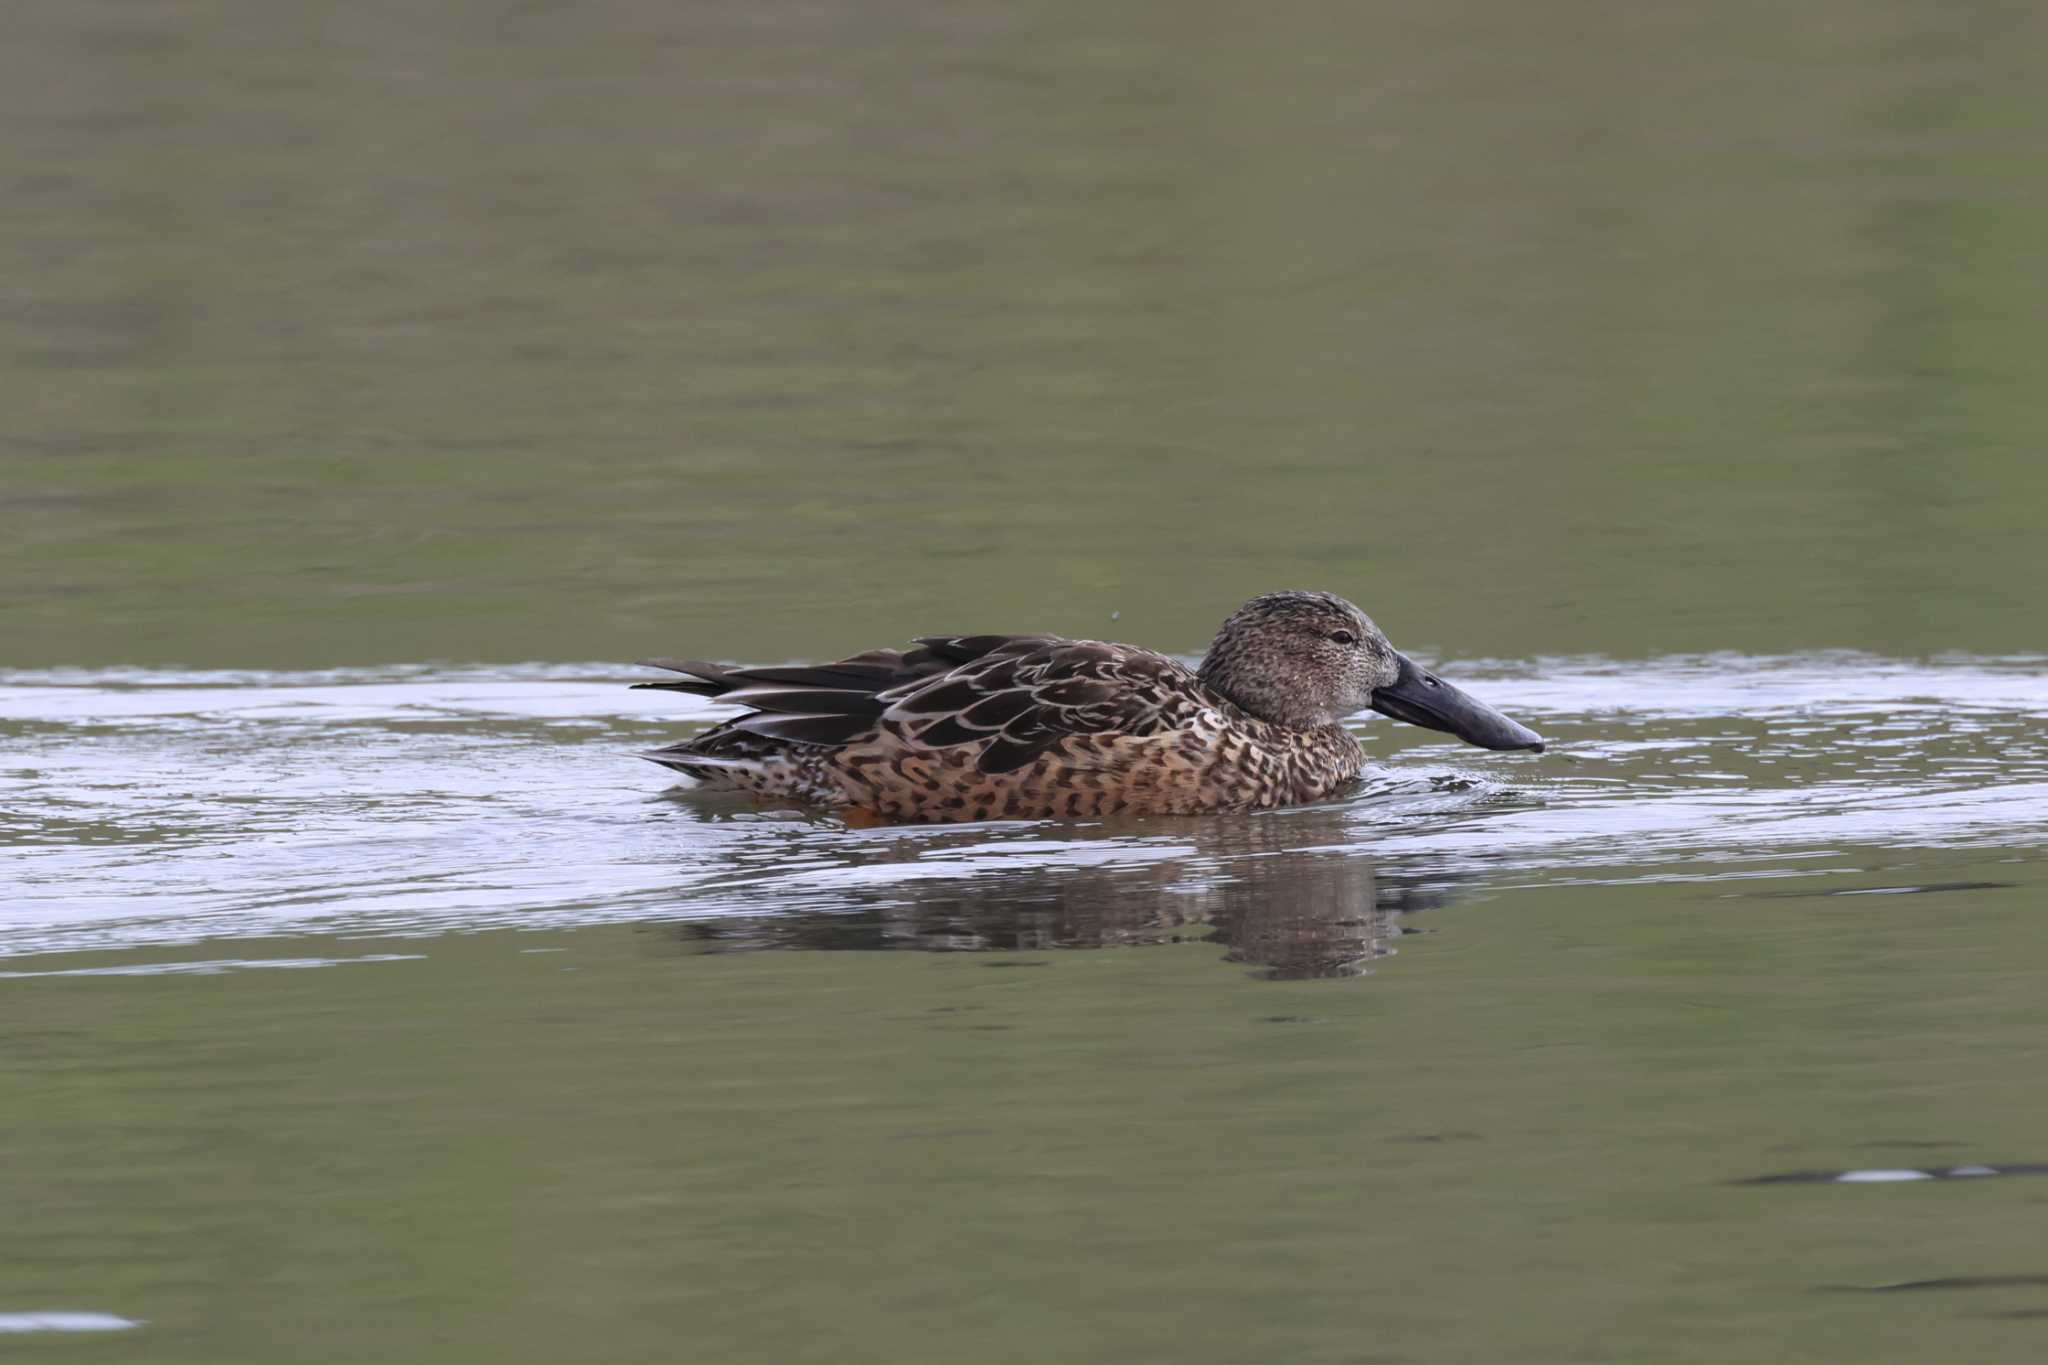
{"x": 986, "y": 727}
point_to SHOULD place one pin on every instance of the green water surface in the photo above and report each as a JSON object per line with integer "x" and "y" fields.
{"x": 351, "y": 335}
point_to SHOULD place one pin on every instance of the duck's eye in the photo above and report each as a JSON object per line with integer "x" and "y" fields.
{"x": 1343, "y": 637}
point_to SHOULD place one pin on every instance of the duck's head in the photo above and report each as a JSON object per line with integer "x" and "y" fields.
{"x": 1309, "y": 658}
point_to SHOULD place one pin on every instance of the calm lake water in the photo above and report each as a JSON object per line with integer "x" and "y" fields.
{"x": 380, "y": 381}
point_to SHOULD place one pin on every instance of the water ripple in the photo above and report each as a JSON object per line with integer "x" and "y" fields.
{"x": 163, "y": 807}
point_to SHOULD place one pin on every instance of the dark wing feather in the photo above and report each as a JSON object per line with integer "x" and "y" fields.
{"x": 805, "y": 729}
{"x": 945, "y": 697}
{"x": 846, "y": 673}
{"x": 806, "y": 701}
{"x": 960, "y": 649}
{"x": 1023, "y": 697}
{"x": 948, "y": 731}
{"x": 994, "y": 712}
{"x": 835, "y": 703}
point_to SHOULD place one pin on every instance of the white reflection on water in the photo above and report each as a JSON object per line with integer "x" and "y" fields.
{"x": 216, "y": 966}
{"x": 164, "y": 807}
{"x": 65, "y": 1321}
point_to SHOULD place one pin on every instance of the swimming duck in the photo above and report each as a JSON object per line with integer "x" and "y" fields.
{"x": 1019, "y": 727}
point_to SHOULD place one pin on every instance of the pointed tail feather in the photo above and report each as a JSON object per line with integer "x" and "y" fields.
{"x": 705, "y": 680}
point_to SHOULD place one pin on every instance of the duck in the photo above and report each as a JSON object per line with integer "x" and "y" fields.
{"x": 1041, "y": 727}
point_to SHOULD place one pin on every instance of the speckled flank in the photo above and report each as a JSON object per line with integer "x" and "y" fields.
{"x": 1189, "y": 772}
{"x": 1034, "y": 727}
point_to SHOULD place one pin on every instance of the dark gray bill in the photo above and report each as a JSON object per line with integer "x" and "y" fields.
{"x": 1420, "y": 697}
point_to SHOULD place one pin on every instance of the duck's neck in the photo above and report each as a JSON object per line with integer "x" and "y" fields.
{"x": 1258, "y": 693}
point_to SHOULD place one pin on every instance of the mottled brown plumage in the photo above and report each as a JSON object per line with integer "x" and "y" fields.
{"x": 986, "y": 727}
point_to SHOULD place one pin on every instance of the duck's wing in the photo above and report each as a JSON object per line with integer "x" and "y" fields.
{"x": 1024, "y": 696}
{"x": 833, "y": 703}
{"x": 1017, "y": 695}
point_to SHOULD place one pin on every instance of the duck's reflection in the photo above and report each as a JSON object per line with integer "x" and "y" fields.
{"x": 1305, "y": 915}
{"x": 1274, "y": 892}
